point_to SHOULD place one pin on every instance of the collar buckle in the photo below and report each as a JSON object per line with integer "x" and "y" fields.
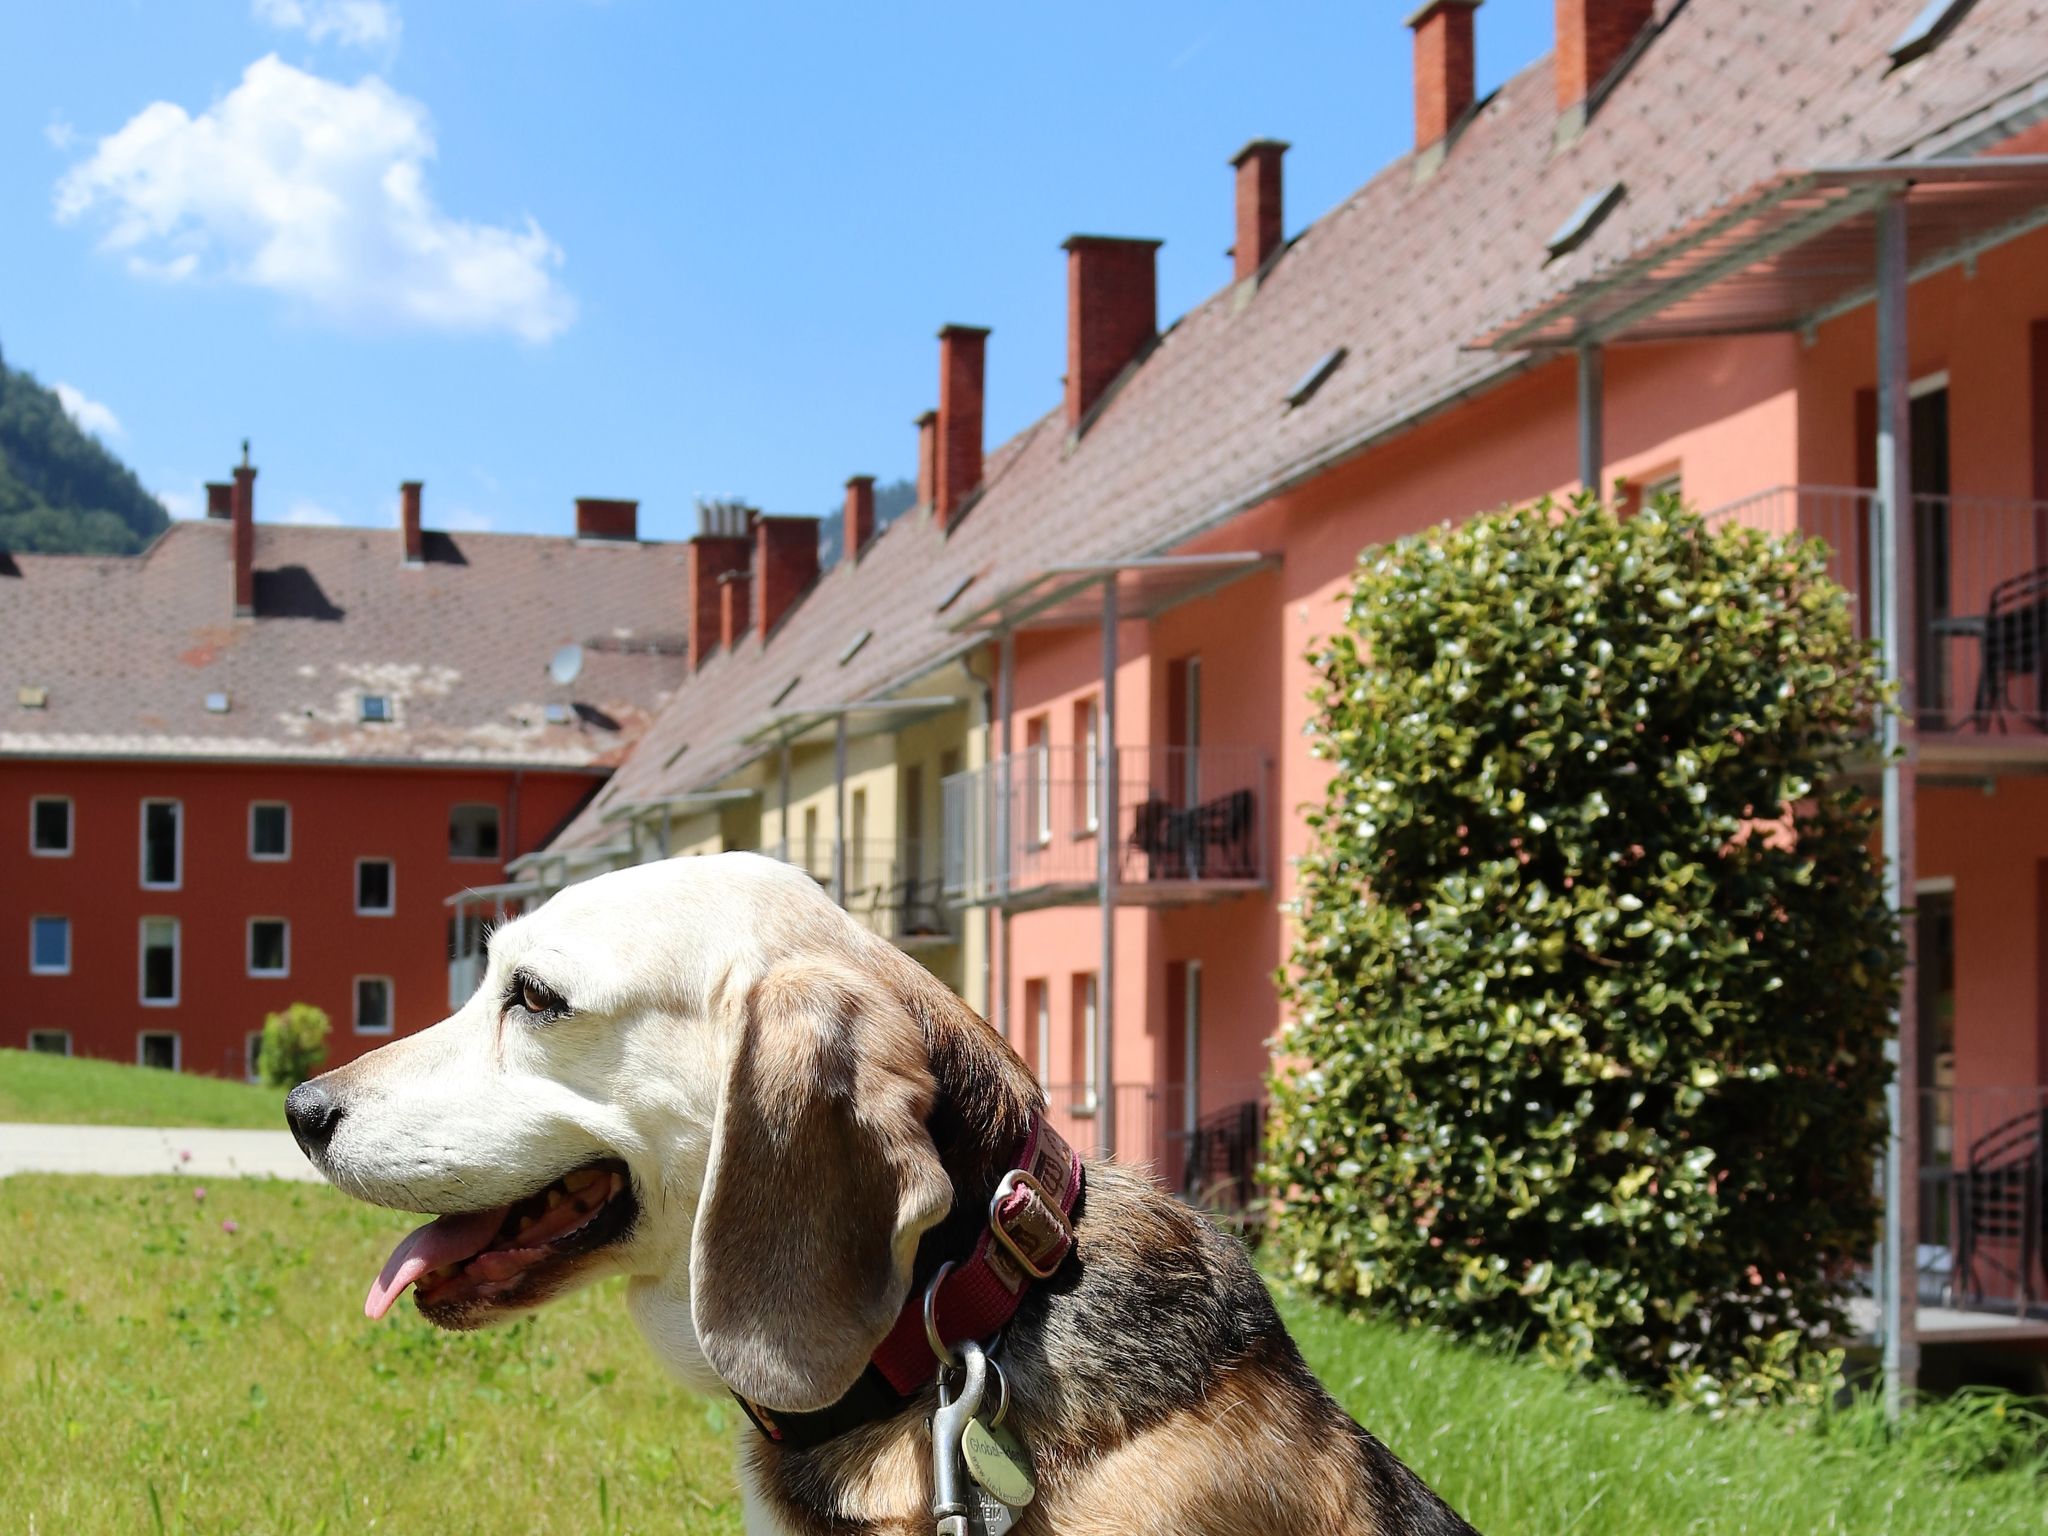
{"x": 1032, "y": 1228}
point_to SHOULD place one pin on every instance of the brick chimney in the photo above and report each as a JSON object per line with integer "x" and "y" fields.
{"x": 1260, "y": 227}
{"x": 785, "y": 565}
{"x": 220, "y": 499}
{"x": 1592, "y": 35}
{"x": 1443, "y": 67}
{"x": 963, "y": 354}
{"x": 732, "y": 606}
{"x": 859, "y": 525}
{"x": 1112, "y": 313}
{"x": 927, "y": 458}
{"x": 242, "y": 535}
{"x": 409, "y": 520}
{"x": 599, "y": 518}
{"x": 712, "y": 558}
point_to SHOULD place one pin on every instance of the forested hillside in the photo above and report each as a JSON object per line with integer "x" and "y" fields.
{"x": 61, "y": 491}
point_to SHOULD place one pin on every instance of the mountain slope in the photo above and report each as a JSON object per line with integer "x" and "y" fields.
{"x": 61, "y": 491}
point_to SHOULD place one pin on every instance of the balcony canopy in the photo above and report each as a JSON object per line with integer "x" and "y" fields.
{"x": 1069, "y": 596}
{"x": 1789, "y": 254}
{"x": 819, "y": 723}
{"x": 679, "y": 805}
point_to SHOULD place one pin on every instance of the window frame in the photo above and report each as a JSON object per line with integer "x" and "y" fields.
{"x": 177, "y": 880}
{"x": 177, "y": 1048}
{"x": 29, "y": 1041}
{"x": 497, "y": 822}
{"x": 35, "y": 969}
{"x": 390, "y": 887}
{"x": 387, "y": 712}
{"x": 1088, "y": 759}
{"x": 355, "y": 1007}
{"x": 35, "y": 802}
{"x": 267, "y": 805}
{"x": 249, "y": 949}
{"x": 1038, "y": 750}
{"x": 1037, "y": 1016}
{"x": 177, "y": 947}
{"x": 1087, "y": 1026}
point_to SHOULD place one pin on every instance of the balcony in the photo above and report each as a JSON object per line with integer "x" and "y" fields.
{"x": 1191, "y": 825}
{"x": 890, "y": 888}
{"x": 1980, "y": 601}
{"x": 1203, "y": 1142}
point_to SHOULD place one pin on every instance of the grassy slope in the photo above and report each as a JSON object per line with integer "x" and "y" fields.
{"x": 75, "y": 1090}
{"x": 144, "y": 1349}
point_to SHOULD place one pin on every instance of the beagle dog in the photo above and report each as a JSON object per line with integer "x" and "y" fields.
{"x": 792, "y": 1140}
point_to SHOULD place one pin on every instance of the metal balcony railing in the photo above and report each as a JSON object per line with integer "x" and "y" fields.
{"x": 1023, "y": 830}
{"x": 1983, "y": 1241}
{"x": 892, "y": 888}
{"x": 1980, "y": 596}
{"x": 1201, "y": 1142}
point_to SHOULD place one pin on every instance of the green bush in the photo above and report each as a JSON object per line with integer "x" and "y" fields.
{"x": 294, "y": 1045}
{"x": 1598, "y": 1064}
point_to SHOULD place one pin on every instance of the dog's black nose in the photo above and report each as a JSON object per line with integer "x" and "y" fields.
{"x": 313, "y": 1113}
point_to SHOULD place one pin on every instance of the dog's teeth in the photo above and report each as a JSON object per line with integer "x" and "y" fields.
{"x": 555, "y": 1198}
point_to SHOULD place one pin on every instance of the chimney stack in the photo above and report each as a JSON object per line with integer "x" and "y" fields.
{"x": 409, "y": 520}
{"x": 1260, "y": 226}
{"x": 1112, "y": 314}
{"x": 220, "y": 499}
{"x": 242, "y": 535}
{"x": 599, "y": 518}
{"x": 1443, "y": 67}
{"x": 713, "y": 558}
{"x": 1592, "y": 35}
{"x": 785, "y": 565}
{"x": 859, "y": 525}
{"x": 927, "y": 459}
{"x": 963, "y": 355}
{"x": 732, "y": 606}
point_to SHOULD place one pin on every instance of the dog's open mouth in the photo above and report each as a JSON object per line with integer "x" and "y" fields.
{"x": 470, "y": 1264}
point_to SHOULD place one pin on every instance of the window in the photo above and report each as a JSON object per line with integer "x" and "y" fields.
{"x": 1087, "y": 1025}
{"x": 373, "y": 1005}
{"x": 1087, "y": 765}
{"x": 374, "y": 709}
{"x": 857, "y": 855}
{"x": 252, "y": 1055}
{"x": 473, "y": 832}
{"x": 270, "y": 947}
{"x": 163, "y": 844}
{"x": 811, "y": 839}
{"x": 50, "y": 1042}
{"x": 159, "y": 961}
{"x": 1037, "y": 1027}
{"x": 376, "y": 887}
{"x": 1038, "y": 756}
{"x": 270, "y": 830}
{"x": 49, "y": 827}
{"x": 157, "y": 1048}
{"x": 49, "y": 946}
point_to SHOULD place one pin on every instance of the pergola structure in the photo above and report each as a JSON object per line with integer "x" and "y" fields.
{"x": 1789, "y": 255}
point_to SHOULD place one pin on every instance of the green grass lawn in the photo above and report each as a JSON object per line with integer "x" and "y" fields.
{"x": 76, "y": 1090}
{"x": 159, "y": 1373}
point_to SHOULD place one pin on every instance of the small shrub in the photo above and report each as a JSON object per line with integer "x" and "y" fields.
{"x": 1597, "y": 1065}
{"x": 294, "y": 1045}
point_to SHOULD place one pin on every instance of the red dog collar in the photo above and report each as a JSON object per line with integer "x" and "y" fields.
{"x": 1030, "y": 1232}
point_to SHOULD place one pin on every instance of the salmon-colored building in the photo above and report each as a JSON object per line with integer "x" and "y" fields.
{"x": 1791, "y": 262}
{"x": 250, "y": 766}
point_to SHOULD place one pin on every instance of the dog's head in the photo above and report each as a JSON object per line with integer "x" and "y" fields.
{"x": 699, "y": 1073}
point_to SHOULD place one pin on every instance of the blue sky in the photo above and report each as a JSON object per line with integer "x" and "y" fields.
{"x": 532, "y": 249}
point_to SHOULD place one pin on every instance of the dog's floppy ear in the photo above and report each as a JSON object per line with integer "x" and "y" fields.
{"x": 821, "y": 1180}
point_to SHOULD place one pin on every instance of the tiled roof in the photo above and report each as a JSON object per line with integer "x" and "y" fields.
{"x": 129, "y": 649}
{"x": 1729, "y": 94}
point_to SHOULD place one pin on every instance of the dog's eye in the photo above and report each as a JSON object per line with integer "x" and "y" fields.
{"x": 538, "y": 999}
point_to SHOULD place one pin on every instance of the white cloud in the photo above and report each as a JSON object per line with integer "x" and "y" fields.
{"x": 464, "y": 520}
{"x": 184, "y": 505}
{"x": 60, "y": 134}
{"x": 358, "y": 23}
{"x": 316, "y": 191}
{"x": 89, "y": 413}
{"x": 310, "y": 514}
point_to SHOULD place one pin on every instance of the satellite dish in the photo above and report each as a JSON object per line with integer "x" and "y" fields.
{"x": 567, "y": 665}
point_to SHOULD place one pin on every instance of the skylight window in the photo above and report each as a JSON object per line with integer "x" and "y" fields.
{"x": 787, "y": 689}
{"x": 216, "y": 703}
{"x": 1587, "y": 217}
{"x": 853, "y": 646}
{"x": 1319, "y": 371}
{"x": 30, "y": 697}
{"x": 1923, "y": 34}
{"x": 375, "y": 709}
{"x": 559, "y": 714}
{"x": 953, "y": 593}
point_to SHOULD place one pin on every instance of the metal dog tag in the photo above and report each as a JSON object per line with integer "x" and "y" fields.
{"x": 998, "y": 1462}
{"x": 992, "y": 1516}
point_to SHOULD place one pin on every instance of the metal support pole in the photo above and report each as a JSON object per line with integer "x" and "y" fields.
{"x": 998, "y": 772}
{"x": 1898, "y": 1268}
{"x": 782, "y": 772}
{"x": 1592, "y": 405}
{"x": 1107, "y": 846}
{"x": 839, "y": 810}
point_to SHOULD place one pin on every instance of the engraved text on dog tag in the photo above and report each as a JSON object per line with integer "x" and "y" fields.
{"x": 998, "y": 1462}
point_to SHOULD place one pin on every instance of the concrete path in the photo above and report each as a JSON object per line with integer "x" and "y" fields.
{"x": 122, "y": 1149}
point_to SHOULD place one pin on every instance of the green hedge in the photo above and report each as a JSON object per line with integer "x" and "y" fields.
{"x": 1598, "y": 1063}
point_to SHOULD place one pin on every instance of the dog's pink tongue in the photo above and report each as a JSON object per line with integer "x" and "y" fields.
{"x": 444, "y": 1240}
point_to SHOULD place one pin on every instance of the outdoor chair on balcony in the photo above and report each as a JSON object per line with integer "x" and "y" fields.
{"x": 1210, "y": 841}
{"x": 1220, "y": 1165}
{"x": 2012, "y": 640}
{"x": 2001, "y": 1208}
